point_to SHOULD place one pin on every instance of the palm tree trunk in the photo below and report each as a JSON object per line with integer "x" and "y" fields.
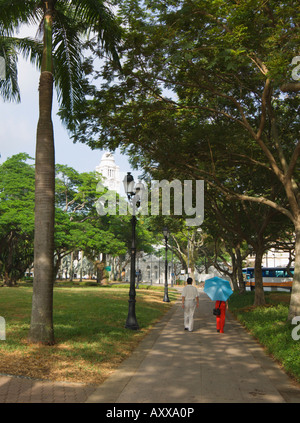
{"x": 41, "y": 328}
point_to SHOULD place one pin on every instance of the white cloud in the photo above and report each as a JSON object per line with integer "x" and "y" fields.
{"x": 28, "y": 77}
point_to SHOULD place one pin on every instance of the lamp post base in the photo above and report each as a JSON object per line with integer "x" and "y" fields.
{"x": 131, "y": 322}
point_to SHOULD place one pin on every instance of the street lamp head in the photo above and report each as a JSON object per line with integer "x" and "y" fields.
{"x": 166, "y": 232}
{"x": 128, "y": 183}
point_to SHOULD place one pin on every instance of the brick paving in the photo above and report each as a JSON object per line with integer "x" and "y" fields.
{"x": 24, "y": 390}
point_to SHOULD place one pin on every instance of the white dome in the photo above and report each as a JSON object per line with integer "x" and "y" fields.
{"x": 110, "y": 171}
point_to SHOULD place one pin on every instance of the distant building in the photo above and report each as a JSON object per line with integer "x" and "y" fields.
{"x": 110, "y": 172}
{"x": 272, "y": 258}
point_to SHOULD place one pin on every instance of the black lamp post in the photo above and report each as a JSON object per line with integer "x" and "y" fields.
{"x": 166, "y": 235}
{"x": 134, "y": 197}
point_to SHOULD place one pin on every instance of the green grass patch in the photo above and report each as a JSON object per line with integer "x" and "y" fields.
{"x": 91, "y": 340}
{"x": 269, "y": 325}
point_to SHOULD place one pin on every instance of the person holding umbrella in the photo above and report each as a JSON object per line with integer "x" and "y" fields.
{"x": 220, "y": 318}
{"x": 218, "y": 290}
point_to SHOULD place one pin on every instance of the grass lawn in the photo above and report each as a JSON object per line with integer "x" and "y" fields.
{"x": 91, "y": 340}
{"x": 269, "y": 326}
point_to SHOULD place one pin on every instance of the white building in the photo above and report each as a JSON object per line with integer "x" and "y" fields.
{"x": 110, "y": 172}
{"x": 272, "y": 258}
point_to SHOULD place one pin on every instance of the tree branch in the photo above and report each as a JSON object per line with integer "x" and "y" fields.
{"x": 290, "y": 87}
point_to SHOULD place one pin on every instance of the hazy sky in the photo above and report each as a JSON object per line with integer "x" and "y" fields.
{"x": 18, "y": 122}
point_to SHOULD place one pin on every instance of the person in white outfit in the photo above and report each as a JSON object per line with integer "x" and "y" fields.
{"x": 190, "y": 300}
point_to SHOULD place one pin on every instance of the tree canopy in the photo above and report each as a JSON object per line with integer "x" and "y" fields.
{"x": 206, "y": 91}
{"x": 16, "y": 217}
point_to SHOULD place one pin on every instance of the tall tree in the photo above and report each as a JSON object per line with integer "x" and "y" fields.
{"x": 16, "y": 217}
{"x": 219, "y": 62}
{"x": 62, "y": 24}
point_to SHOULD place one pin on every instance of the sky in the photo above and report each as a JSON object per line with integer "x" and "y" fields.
{"x": 18, "y": 123}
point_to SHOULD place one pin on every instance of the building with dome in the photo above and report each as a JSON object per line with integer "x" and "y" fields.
{"x": 110, "y": 172}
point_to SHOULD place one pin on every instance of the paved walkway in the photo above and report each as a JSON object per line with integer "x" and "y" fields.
{"x": 24, "y": 390}
{"x": 175, "y": 366}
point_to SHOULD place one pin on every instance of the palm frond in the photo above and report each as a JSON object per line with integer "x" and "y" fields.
{"x": 67, "y": 60}
{"x": 30, "y": 49}
{"x": 72, "y": 19}
{"x": 17, "y": 12}
{"x": 13, "y": 14}
{"x": 100, "y": 19}
{"x": 9, "y": 88}
{"x": 10, "y": 48}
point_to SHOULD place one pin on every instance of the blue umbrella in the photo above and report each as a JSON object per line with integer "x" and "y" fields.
{"x": 217, "y": 289}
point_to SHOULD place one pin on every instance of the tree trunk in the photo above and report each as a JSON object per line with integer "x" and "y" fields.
{"x": 294, "y": 309}
{"x": 41, "y": 327}
{"x": 259, "y": 290}
{"x": 71, "y": 268}
{"x": 239, "y": 262}
{"x": 57, "y": 267}
{"x": 234, "y": 271}
{"x": 81, "y": 263}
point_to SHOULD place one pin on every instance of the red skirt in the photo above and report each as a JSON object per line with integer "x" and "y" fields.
{"x": 221, "y": 319}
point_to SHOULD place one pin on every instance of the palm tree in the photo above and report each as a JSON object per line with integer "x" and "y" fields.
{"x": 62, "y": 24}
